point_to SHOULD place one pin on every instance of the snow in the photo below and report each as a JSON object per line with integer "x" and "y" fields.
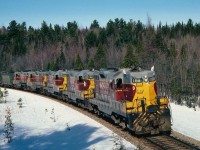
{"x": 42, "y": 123}
{"x": 35, "y": 127}
{"x": 186, "y": 121}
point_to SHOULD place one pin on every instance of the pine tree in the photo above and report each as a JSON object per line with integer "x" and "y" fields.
{"x": 90, "y": 64}
{"x": 94, "y": 24}
{"x": 130, "y": 58}
{"x": 90, "y": 39}
{"x": 87, "y": 56}
{"x": 72, "y": 28}
{"x": 78, "y": 63}
{"x": 8, "y": 127}
{"x": 62, "y": 60}
{"x": 100, "y": 58}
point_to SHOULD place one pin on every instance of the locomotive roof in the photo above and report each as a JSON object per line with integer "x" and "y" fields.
{"x": 20, "y": 72}
{"x": 113, "y": 74}
{"x": 142, "y": 73}
{"x": 85, "y": 73}
{"x": 60, "y": 72}
{"x": 106, "y": 74}
{"x": 73, "y": 72}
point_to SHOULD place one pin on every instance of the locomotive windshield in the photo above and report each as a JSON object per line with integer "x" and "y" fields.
{"x": 137, "y": 80}
{"x": 144, "y": 76}
{"x": 143, "y": 79}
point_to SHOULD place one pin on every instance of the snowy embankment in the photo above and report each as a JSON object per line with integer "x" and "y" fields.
{"x": 186, "y": 121}
{"x": 42, "y": 123}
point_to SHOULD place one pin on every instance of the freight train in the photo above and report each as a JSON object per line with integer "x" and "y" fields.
{"x": 128, "y": 97}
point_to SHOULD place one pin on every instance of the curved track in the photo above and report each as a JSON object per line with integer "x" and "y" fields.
{"x": 164, "y": 142}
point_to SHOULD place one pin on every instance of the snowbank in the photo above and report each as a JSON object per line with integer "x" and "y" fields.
{"x": 186, "y": 121}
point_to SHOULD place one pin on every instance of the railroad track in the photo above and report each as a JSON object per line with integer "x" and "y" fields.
{"x": 160, "y": 142}
{"x": 165, "y": 142}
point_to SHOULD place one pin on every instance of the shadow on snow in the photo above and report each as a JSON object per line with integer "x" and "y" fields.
{"x": 77, "y": 138}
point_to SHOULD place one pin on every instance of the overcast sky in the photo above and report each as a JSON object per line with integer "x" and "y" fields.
{"x": 33, "y": 12}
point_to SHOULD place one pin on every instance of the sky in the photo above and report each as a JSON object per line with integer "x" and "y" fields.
{"x": 34, "y": 12}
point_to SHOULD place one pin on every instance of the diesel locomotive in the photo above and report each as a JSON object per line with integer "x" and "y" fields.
{"x": 127, "y": 96}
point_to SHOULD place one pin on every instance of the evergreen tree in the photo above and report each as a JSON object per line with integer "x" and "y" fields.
{"x": 110, "y": 28}
{"x": 130, "y": 58}
{"x": 78, "y": 63}
{"x": 53, "y": 65}
{"x": 12, "y": 29}
{"x": 87, "y": 55}
{"x": 94, "y": 24}
{"x": 90, "y": 64}
{"x": 100, "y": 58}
{"x": 102, "y": 39}
{"x": 72, "y": 29}
{"x": 62, "y": 59}
{"x": 58, "y": 33}
{"x": 90, "y": 39}
{"x": 45, "y": 32}
{"x": 8, "y": 127}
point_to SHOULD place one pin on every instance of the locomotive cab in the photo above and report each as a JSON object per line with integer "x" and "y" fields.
{"x": 85, "y": 84}
{"x": 31, "y": 79}
{"x": 150, "y": 113}
{"x": 48, "y": 82}
{"x": 16, "y": 80}
{"x": 35, "y": 80}
{"x": 60, "y": 81}
{"x": 20, "y": 80}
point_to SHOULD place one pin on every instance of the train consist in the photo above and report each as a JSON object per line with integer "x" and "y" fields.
{"x": 127, "y": 96}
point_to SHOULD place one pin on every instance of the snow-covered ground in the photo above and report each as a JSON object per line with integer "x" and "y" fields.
{"x": 42, "y": 123}
{"x": 186, "y": 121}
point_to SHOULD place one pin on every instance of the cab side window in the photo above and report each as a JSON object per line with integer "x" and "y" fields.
{"x": 127, "y": 78}
{"x": 80, "y": 79}
{"x": 119, "y": 83}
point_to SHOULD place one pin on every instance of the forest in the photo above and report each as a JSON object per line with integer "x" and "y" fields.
{"x": 174, "y": 51}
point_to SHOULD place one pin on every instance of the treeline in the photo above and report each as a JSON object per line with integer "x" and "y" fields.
{"x": 174, "y": 50}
